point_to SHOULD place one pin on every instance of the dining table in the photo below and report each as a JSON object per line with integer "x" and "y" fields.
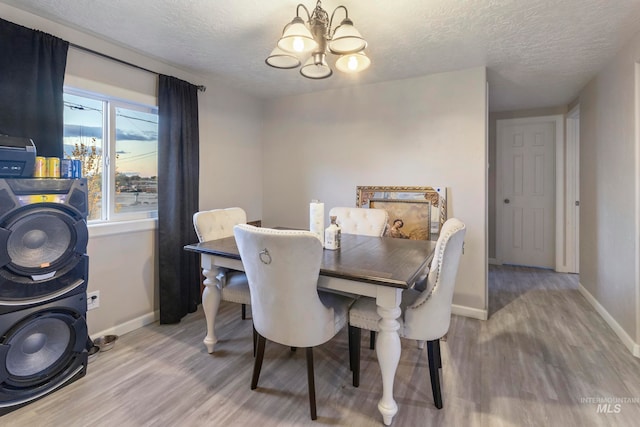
{"x": 377, "y": 267}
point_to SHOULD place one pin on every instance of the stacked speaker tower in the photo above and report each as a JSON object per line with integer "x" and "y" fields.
{"x": 43, "y": 285}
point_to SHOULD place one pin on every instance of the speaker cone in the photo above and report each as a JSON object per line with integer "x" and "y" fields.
{"x": 39, "y": 348}
{"x": 40, "y": 241}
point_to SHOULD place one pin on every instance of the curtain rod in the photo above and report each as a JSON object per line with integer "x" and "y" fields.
{"x": 201, "y": 88}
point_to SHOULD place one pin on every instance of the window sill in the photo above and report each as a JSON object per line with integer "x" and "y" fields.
{"x": 121, "y": 227}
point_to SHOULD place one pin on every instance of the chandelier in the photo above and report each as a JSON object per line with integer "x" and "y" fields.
{"x": 316, "y": 38}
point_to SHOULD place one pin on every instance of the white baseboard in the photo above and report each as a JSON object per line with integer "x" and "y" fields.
{"x": 633, "y": 346}
{"x": 129, "y": 326}
{"x": 465, "y": 311}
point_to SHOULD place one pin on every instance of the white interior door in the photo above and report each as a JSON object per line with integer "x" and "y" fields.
{"x": 526, "y": 154}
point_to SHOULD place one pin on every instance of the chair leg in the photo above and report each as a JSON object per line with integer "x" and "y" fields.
{"x": 355, "y": 335}
{"x": 255, "y": 340}
{"x": 434, "y": 372}
{"x": 372, "y": 340}
{"x": 257, "y": 365}
{"x": 438, "y": 357}
{"x": 351, "y": 332}
{"x": 312, "y": 386}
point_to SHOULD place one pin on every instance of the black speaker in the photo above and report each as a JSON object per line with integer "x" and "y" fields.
{"x": 43, "y": 283}
{"x": 43, "y": 240}
{"x": 42, "y": 348}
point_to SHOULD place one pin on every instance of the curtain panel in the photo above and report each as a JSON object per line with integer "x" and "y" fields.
{"x": 32, "y": 66}
{"x": 178, "y": 182}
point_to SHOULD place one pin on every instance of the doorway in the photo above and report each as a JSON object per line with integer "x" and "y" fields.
{"x": 530, "y": 200}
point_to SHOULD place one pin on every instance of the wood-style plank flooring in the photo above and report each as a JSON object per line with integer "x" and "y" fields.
{"x": 541, "y": 353}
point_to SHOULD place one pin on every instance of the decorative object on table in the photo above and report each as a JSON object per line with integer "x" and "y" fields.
{"x": 106, "y": 342}
{"x": 332, "y": 235}
{"x": 426, "y": 314}
{"x": 317, "y": 37}
{"x": 316, "y": 219}
{"x": 414, "y": 212}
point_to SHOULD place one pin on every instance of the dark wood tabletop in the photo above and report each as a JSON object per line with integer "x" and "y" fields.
{"x": 383, "y": 261}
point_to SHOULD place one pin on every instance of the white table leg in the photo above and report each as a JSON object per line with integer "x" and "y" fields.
{"x": 210, "y": 300}
{"x": 388, "y": 349}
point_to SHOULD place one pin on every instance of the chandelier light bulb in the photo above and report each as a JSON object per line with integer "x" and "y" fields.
{"x": 353, "y": 63}
{"x": 298, "y": 44}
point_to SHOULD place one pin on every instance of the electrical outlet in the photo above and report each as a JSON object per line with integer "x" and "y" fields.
{"x": 93, "y": 300}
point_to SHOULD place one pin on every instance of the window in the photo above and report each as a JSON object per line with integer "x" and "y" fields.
{"x": 117, "y": 142}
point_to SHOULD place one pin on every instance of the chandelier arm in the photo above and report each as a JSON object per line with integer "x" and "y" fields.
{"x": 346, "y": 12}
{"x": 305, "y": 9}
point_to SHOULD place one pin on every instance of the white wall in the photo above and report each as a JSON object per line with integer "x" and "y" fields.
{"x": 608, "y": 192}
{"x": 231, "y": 126}
{"x": 122, "y": 266}
{"x": 416, "y": 132}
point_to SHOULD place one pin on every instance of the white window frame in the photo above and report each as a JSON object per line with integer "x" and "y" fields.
{"x": 109, "y": 105}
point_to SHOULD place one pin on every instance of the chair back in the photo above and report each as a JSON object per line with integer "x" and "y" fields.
{"x": 283, "y": 267}
{"x": 428, "y": 318}
{"x": 217, "y": 223}
{"x": 366, "y": 222}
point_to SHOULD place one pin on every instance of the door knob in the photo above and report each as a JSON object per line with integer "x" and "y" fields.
{"x": 506, "y": 201}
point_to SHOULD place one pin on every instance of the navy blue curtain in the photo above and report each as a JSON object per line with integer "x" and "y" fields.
{"x": 32, "y": 66}
{"x": 178, "y": 163}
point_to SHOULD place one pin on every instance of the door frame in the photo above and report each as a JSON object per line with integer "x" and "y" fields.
{"x": 560, "y": 242}
{"x": 572, "y": 219}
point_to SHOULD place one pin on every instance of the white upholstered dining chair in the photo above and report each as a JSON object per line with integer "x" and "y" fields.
{"x": 426, "y": 315}
{"x": 283, "y": 267}
{"x": 217, "y": 224}
{"x": 366, "y": 222}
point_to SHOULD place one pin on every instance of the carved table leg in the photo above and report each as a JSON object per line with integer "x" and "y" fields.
{"x": 210, "y": 302}
{"x": 388, "y": 351}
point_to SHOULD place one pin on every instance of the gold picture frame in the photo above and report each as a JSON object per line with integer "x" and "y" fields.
{"x": 425, "y": 209}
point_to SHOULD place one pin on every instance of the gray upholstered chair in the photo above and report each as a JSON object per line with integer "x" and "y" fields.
{"x": 283, "y": 267}
{"x": 217, "y": 224}
{"x": 425, "y": 315}
{"x": 366, "y": 222}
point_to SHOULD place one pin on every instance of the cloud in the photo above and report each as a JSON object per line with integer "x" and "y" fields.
{"x": 131, "y": 135}
{"x": 96, "y": 132}
{"x": 82, "y": 131}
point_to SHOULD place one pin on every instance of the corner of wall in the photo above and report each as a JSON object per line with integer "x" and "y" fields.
{"x": 627, "y": 340}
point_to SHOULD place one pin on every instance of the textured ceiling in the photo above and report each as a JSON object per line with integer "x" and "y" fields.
{"x": 539, "y": 53}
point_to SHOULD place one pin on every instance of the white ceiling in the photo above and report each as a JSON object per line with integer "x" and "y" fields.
{"x": 539, "y": 53}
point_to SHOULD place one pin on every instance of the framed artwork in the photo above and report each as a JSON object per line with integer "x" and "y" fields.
{"x": 414, "y": 212}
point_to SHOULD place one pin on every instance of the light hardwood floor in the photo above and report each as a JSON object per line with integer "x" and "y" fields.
{"x": 541, "y": 353}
